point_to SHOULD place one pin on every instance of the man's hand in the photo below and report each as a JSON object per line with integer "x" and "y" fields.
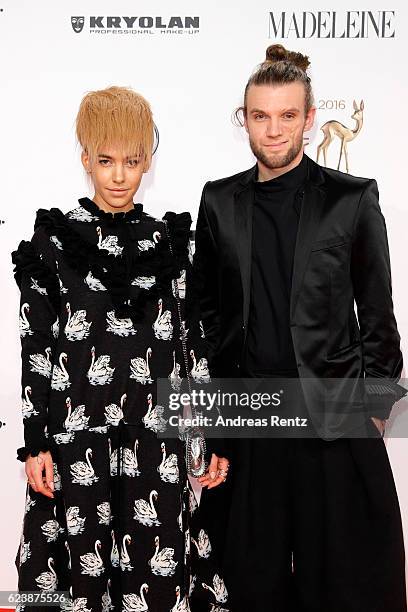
{"x": 217, "y": 472}
{"x": 34, "y": 468}
{"x": 380, "y": 424}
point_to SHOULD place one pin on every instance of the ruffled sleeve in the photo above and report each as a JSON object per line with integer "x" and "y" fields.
{"x": 36, "y": 277}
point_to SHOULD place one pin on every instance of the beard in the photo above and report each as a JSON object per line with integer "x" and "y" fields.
{"x": 277, "y": 161}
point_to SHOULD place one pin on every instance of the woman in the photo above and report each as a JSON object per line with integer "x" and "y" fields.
{"x": 108, "y": 500}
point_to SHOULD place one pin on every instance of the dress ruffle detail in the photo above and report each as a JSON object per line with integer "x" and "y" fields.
{"x": 24, "y": 451}
{"x": 116, "y": 273}
{"x": 135, "y": 214}
{"x": 26, "y": 261}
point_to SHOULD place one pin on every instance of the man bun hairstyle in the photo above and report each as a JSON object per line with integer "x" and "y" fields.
{"x": 280, "y": 67}
{"x": 278, "y": 53}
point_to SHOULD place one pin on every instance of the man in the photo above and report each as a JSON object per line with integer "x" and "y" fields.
{"x": 284, "y": 251}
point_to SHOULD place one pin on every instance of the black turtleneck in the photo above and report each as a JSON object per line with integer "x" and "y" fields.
{"x": 269, "y": 348}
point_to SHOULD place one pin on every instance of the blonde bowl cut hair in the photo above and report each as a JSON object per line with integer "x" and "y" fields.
{"x": 116, "y": 116}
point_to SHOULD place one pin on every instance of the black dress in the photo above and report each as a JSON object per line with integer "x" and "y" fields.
{"x": 99, "y": 325}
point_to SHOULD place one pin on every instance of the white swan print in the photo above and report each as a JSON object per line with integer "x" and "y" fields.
{"x": 202, "y": 544}
{"x": 187, "y": 543}
{"x": 113, "y": 458}
{"x": 57, "y": 477}
{"x": 41, "y": 364}
{"x": 162, "y": 563}
{"x": 62, "y": 288}
{"x": 181, "y": 284}
{"x": 104, "y": 513}
{"x": 192, "y": 501}
{"x": 168, "y": 468}
{"x": 94, "y": 283}
{"x": 100, "y": 373}
{"x": 144, "y": 245}
{"x": 24, "y": 325}
{"x": 25, "y": 552}
{"x": 135, "y": 603}
{"x": 69, "y": 554}
{"x": 81, "y": 214}
{"x": 48, "y": 581}
{"x": 144, "y": 282}
{"x": 162, "y": 327}
{"x": 202, "y": 334}
{"x": 60, "y": 377}
{"x": 199, "y": 371}
{"x": 77, "y": 327}
{"x": 190, "y": 251}
{"x": 68, "y": 604}
{"x": 106, "y": 599}
{"x": 51, "y": 528}
{"x": 119, "y": 327}
{"x": 183, "y": 330}
{"x": 153, "y": 419}
{"x": 125, "y": 564}
{"x": 29, "y": 502}
{"x": 192, "y": 584}
{"x": 130, "y": 465}
{"x": 57, "y": 242}
{"x": 27, "y": 407}
{"x": 114, "y": 413}
{"x": 110, "y": 243}
{"x": 114, "y": 557}
{"x": 174, "y": 376}
{"x": 181, "y": 605}
{"x": 218, "y": 589}
{"x": 100, "y": 429}
{"x": 80, "y": 605}
{"x": 36, "y": 287}
{"x": 91, "y": 563}
{"x": 75, "y": 522}
{"x": 76, "y": 420}
{"x": 145, "y": 512}
{"x": 55, "y": 328}
{"x": 82, "y": 472}
{"x": 64, "y": 437}
{"x": 140, "y": 370}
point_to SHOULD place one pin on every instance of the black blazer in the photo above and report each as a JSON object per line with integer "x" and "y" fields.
{"x": 341, "y": 257}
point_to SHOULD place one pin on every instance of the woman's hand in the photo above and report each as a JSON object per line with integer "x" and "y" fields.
{"x": 217, "y": 472}
{"x": 35, "y": 468}
{"x": 380, "y": 424}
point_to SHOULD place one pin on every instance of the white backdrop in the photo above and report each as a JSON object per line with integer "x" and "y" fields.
{"x": 193, "y": 78}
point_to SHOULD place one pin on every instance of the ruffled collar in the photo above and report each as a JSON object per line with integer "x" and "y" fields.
{"x": 135, "y": 214}
{"x": 116, "y": 273}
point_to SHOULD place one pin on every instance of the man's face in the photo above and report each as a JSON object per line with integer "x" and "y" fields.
{"x": 275, "y": 122}
{"x": 116, "y": 177}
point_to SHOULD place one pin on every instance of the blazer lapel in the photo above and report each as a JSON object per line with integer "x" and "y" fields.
{"x": 244, "y": 199}
{"x": 314, "y": 196}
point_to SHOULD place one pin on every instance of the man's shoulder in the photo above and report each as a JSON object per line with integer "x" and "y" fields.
{"x": 230, "y": 181}
{"x": 338, "y": 179}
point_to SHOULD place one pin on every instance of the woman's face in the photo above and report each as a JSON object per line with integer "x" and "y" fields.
{"x": 115, "y": 177}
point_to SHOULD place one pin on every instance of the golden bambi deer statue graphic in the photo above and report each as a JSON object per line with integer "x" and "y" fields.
{"x": 334, "y": 128}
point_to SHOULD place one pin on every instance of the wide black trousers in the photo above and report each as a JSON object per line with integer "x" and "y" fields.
{"x": 306, "y": 525}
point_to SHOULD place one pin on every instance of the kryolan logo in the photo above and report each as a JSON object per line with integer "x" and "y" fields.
{"x": 130, "y": 23}
{"x": 77, "y": 24}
